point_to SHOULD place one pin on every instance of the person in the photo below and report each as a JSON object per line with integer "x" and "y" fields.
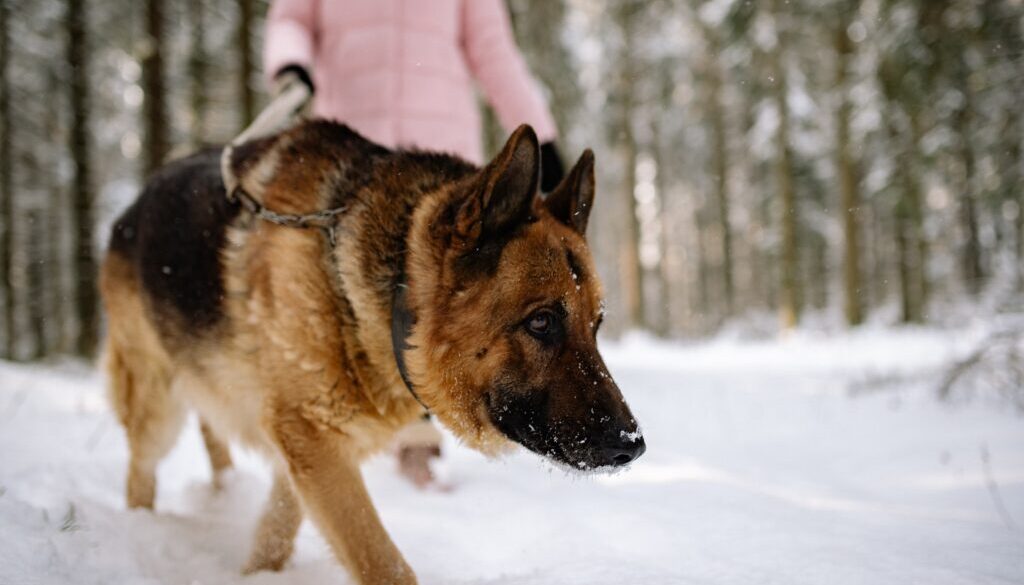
{"x": 402, "y": 73}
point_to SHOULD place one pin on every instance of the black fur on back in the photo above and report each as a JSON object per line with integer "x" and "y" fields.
{"x": 173, "y": 235}
{"x": 174, "y": 232}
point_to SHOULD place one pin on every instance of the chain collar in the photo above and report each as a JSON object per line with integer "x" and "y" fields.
{"x": 323, "y": 219}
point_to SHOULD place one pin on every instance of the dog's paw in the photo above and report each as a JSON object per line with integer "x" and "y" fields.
{"x": 260, "y": 563}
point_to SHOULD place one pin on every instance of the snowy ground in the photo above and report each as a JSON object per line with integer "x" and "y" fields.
{"x": 806, "y": 461}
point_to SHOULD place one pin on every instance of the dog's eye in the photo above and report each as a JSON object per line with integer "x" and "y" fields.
{"x": 539, "y": 324}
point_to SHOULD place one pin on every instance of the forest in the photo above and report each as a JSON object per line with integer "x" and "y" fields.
{"x": 808, "y": 222}
{"x": 762, "y": 165}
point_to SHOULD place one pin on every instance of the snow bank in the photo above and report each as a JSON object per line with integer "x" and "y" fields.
{"x": 762, "y": 467}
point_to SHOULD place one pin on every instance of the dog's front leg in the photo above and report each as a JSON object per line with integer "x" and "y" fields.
{"x": 275, "y": 535}
{"x": 330, "y": 486}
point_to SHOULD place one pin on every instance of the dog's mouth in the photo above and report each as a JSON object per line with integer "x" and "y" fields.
{"x": 526, "y": 421}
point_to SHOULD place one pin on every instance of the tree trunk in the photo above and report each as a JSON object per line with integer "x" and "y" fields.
{"x": 853, "y": 307}
{"x": 155, "y": 105}
{"x": 915, "y": 199}
{"x": 720, "y": 162}
{"x": 970, "y": 252}
{"x": 665, "y": 276}
{"x": 704, "y": 309}
{"x": 56, "y": 297}
{"x": 56, "y": 249}
{"x": 36, "y": 298}
{"x": 908, "y": 300}
{"x": 630, "y": 271}
{"x": 909, "y": 234}
{"x": 6, "y": 188}
{"x": 1019, "y": 233}
{"x": 197, "y": 65}
{"x": 789, "y": 289}
{"x": 81, "y": 181}
{"x": 245, "y": 63}
{"x": 1016, "y": 178}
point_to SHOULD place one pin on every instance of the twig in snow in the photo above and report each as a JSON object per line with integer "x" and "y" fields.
{"x": 993, "y": 489}
{"x": 998, "y": 361}
{"x": 70, "y": 521}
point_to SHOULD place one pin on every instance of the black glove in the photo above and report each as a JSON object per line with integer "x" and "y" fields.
{"x": 551, "y": 169}
{"x": 290, "y": 74}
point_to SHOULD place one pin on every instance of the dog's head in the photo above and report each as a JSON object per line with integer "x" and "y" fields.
{"x": 508, "y": 305}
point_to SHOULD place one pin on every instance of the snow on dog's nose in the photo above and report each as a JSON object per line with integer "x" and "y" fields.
{"x": 629, "y": 448}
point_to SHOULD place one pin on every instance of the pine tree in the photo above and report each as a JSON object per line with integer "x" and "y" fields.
{"x": 81, "y": 183}
{"x": 846, "y": 172}
{"x": 6, "y": 188}
{"x": 157, "y": 141}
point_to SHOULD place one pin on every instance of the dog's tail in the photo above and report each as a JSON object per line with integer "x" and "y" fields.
{"x": 281, "y": 113}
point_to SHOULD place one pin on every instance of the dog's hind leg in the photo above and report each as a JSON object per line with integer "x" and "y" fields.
{"x": 139, "y": 375}
{"x": 217, "y": 450}
{"x": 151, "y": 416}
{"x": 275, "y": 536}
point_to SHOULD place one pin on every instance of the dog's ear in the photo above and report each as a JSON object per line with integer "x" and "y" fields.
{"x": 573, "y": 198}
{"x": 508, "y": 186}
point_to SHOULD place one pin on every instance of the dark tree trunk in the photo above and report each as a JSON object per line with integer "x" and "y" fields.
{"x": 721, "y": 167}
{"x": 849, "y": 195}
{"x": 197, "y": 66}
{"x": 665, "y": 323}
{"x": 909, "y": 231}
{"x": 972, "y": 270}
{"x": 630, "y": 271}
{"x": 246, "y": 95}
{"x": 6, "y": 188}
{"x": 790, "y": 297}
{"x": 81, "y": 181}
{"x": 56, "y": 249}
{"x": 155, "y": 106}
{"x": 36, "y": 298}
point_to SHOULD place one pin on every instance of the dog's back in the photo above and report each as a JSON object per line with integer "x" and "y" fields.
{"x": 171, "y": 239}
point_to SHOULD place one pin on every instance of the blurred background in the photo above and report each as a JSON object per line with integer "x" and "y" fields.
{"x": 763, "y": 165}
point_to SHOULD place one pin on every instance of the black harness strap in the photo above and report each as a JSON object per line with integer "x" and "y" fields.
{"x": 402, "y": 321}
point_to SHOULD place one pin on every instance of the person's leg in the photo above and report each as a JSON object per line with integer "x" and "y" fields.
{"x": 417, "y": 445}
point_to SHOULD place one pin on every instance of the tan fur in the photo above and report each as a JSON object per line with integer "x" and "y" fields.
{"x": 275, "y": 383}
{"x": 301, "y": 366}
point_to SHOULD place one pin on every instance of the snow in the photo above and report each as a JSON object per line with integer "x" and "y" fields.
{"x": 807, "y": 460}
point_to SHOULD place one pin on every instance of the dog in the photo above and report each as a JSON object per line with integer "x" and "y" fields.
{"x": 428, "y": 283}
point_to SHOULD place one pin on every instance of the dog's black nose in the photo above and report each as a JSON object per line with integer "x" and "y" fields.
{"x": 628, "y": 450}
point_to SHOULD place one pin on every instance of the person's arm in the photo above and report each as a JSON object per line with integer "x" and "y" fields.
{"x": 499, "y": 68}
{"x": 288, "y": 42}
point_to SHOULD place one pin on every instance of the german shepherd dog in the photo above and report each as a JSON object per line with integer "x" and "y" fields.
{"x": 441, "y": 285}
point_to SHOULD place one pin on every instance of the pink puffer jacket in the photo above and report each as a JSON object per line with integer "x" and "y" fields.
{"x": 401, "y": 71}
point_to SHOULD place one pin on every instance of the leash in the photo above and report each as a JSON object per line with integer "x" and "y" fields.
{"x": 277, "y": 116}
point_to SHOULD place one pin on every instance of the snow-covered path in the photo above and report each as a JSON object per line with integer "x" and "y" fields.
{"x": 765, "y": 465}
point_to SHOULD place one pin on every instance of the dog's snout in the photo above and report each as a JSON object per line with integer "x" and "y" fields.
{"x": 628, "y": 449}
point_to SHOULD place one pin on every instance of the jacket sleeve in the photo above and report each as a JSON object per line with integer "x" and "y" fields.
{"x": 499, "y": 68}
{"x": 289, "y": 37}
